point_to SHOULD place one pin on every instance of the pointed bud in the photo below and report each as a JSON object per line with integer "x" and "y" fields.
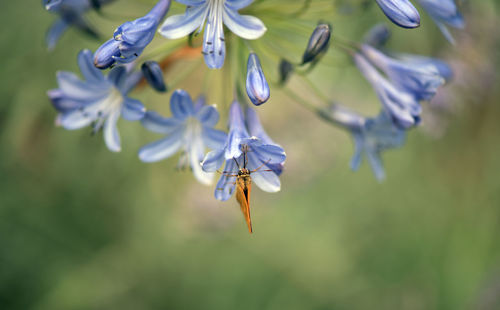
{"x": 318, "y": 43}
{"x": 154, "y": 75}
{"x": 400, "y": 12}
{"x": 285, "y": 69}
{"x": 257, "y": 87}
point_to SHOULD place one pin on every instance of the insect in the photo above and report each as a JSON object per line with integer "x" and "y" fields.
{"x": 244, "y": 186}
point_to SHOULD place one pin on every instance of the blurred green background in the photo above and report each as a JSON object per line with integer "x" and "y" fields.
{"x": 83, "y": 228}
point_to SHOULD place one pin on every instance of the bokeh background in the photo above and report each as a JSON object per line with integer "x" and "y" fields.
{"x": 83, "y": 228}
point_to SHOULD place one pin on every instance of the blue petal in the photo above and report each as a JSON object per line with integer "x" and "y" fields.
{"x": 213, "y": 138}
{"x": 256, "y": 83}
{"x": 86, "y": 64}
{"x": 237, "y": 4}
{"x": 55, "y": 32}
{"x": 255, "y": 127}
{"x": 178, "y": 26}
{"x": 400, "y": 12}
{"x": 225, "y": 186}
{"x": 208, "y": 116}
{"x": 74, "y": 120}
{"x": 247, "y": 27}
{"x": 117, "y": 76}
{"x": 105, "y": 55}
{"x": 376, "y": 164}
{"x": 111, "y": 134}
{"x": 133, "y": 110}
{"x": 159, "y": 124}
{"x": 214, "y": 46}
{"x": 73, "y": 87}
{"x": 213, "y": 160}
{"x": 268, "y": 153}
{"x": 358, "y": 149}
{"x": 181, "y": 105}
{"x": 163, "y": 148}
{"x": 62, "y": 103}
{"x": 267, "y": 181}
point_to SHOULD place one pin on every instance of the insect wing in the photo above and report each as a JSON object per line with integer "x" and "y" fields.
{"x": 243, "y": 189}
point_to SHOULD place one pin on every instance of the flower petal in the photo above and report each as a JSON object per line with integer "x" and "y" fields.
{"x": 55, "y": 32}
{"x": 208, "y": 115}
{"x": 214, "y": 139}
{"x": 74, "y": 120}
{"x": 181, "y": 105}
{"x": 133, "y": 109}
{"x": 227, "y": 183}
{"x": 267, "y": 181}
{"x": 163, "y": 148}
{"x": 111, "y": 134}
{"x": 213, "y": 160}
{"x": 195, "y": 156}
{"x": 178, "y": 26}
{"x": 74, "y": 88}
{"x": 86, "y": 64}
{"x": 247, "y": 27}
{"x": 237, "y": 4}
{"x": 159, "y": 124}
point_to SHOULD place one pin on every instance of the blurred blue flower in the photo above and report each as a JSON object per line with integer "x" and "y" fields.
{"x": 130, "y": 39}
{"x": 371, "y": 135}
{"x": 215, "y": 12}
{"x": 70, "y": 15}
{"x": 261, "y": 158}
{"x": 417, "y": 75}
{"x": 444, "y": 12}
{"x": 403, "y": 107}
{"x": 400, "y": 12}
{"x": 256, "y": 85}
{"x": 97, "y": 100}
{"x": 190, "y": 129}
{"x": 378, "y": 35}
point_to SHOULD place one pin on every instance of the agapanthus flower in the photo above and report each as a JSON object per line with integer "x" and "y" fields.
{"x": 262, "y": 157}
{"x": 97, "y": 100}
{"x": 189, "y": 130}
{"x": 70, "y": 15}
{"x": 418, "y": 75}
{"x": 371, "y": 136}
{"x": 403, "y": 107}
{"x": 400, "y": 12}
{"x": 444, "y": 13}
{"x": 131, "y": 38}
{"x": 215, "y": 13}
{"x": 318, "y": 44}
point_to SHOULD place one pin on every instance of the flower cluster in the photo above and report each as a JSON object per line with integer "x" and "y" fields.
{"x": 232, "y": 42}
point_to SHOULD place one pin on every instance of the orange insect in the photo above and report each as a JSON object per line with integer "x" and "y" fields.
{"x": 244, "y": 187}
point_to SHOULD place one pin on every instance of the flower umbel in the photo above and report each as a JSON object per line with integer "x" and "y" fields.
{"x": 215, "y": 13}
{"x": 97, "y": 100}
{"x": 190, "y": 129}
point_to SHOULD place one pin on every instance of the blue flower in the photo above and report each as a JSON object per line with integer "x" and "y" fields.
{"x": 257, "y": 87}
{"x": 444, "y": 12}
{"x": 417, "y": 75}
{"x": 190, "y": 129}
{"x": 371, "y": 135}
{"x": 403, "y": 107}
{"x": 400, "y": 12}
{"x": 215, "y": 12}
{"x": 131, "y": 38}
{"x": 263, "y": 158}
{"x": 70, "y": 15}
{"x": 97, "y": 100}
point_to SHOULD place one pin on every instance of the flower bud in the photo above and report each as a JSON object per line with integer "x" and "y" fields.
{"x": 318, "y": 43}
{"x": 154, "y": 75}
{"x": 285, "y": 69}
{"x": 257, "y": 87}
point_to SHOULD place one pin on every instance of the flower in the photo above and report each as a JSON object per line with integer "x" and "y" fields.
{"x": 400, "y": 12}
{"x": 131, "y": 38}
{"x": 215, "y": 12}
{"x": 257, "y": 87}
{"x": 97, "y": 100}
{"x": 444, "y": 12}
{"x": 70, "y": 14}
{"x": 259, "y": 155}
{"x": 402, "y": 106}
{"x": 417, "y": 75}
{"x": 377, "y": 36}
{"x": 371, "y": 135}
{"x": 190, "y": 129}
